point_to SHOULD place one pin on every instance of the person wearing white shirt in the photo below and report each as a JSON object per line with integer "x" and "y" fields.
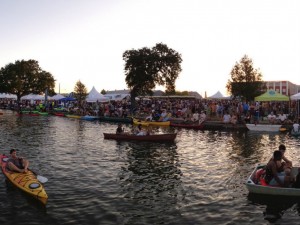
{"x": 226, "y": 117}
{"x": 296, "y": 126}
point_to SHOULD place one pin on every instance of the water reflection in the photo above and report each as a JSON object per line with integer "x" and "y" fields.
{"x": 151, "y": 182}
{"x": 275, "y": 206}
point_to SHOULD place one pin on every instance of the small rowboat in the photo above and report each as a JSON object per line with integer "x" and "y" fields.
{"x": 257, "y": 186}
{"x": 147, "y": 123}
{"x": 27, "y": 182}
{"x": 263, "y": 127}
{"x": 132, "y": 137}
{"x": 195, "y": 126}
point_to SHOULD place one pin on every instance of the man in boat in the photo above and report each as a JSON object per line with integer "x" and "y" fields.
{"x": 17, "y": 164}
{"x": 120, "y": 129}
{"x": 274, "y": 176}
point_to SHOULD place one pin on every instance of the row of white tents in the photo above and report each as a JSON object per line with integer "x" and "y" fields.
{"x": 93, "y": 96}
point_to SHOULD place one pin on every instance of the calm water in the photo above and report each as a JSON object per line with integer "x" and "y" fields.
{"x": 199, "y": 179}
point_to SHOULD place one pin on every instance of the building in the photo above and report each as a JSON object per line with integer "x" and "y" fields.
{"x": 283, "y": 87}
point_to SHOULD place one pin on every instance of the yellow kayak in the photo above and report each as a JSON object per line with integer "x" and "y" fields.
{"x": 73, "y": 116}
{"x": 147, "y": 123}
{"x": 27, "y": 182}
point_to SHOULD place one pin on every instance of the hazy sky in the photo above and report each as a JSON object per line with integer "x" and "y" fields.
{"x": 85, "y": 39}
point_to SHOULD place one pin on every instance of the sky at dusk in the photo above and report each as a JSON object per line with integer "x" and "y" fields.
{"x": 85, "y": 39}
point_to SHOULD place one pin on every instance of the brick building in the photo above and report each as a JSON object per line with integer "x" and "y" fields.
{"x": 283, "y": 87}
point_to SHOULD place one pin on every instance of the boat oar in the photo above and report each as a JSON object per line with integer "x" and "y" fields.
{"x": 40, "y": 178}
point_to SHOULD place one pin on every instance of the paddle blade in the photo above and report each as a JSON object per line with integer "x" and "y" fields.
{"x": 42, "y": 179}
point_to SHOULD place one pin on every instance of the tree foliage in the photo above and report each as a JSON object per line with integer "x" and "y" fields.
{"x": 80, "y": 92}
{"x": 103, "y": 92}
{"x": 25, "y": 77}
{"x": 145, "y": 68}
{"x": 246, "y": 82}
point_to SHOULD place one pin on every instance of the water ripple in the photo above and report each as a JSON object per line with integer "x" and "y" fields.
{"x": 197, "y": 179}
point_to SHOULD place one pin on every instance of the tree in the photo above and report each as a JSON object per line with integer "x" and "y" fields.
{"x": 246, "y": 82}
{"x": 80, "y": 92}
{"x": 145, "y": 68}
{"x": 25, "y": 77}
{"x": 103, "y": 92}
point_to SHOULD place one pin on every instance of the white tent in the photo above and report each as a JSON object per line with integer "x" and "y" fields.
{"x": 57, "y": 97}
{"x": 295, "y": 96}
{"x": 95, "y": 96}
{"x": 117, "y": 97}
{"x": 8, "y": 96}
{"x": 218, "y": 95}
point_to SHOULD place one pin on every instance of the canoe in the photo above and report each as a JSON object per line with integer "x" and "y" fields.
{"x": 131, "y": 137}
{"x": 73, "y": 116}
{"x": 90, "y": 118}
{"x": 116, "y": 119}
{"x": 258, "y": 187}
{"x": 59, "y": 114}
{"x": 147, "y": 123}
{"x": 27, "y": 182}
{"x": 263, "y": 127}
{"x": 195, "y": 126}
{"x": 43, "y": 113}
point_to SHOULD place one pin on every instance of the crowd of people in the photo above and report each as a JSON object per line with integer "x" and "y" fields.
{"x": 225, "y": 110}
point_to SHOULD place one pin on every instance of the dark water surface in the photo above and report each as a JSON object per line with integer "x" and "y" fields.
{"x": 198, "y": 179}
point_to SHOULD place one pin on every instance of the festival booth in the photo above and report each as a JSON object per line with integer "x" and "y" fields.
{"x": 296, "y": 97}
{"x": 95, "y": 96}
{"x": 271, "y": 96}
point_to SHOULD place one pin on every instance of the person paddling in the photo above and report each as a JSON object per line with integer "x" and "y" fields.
{"x": 17, "y": 164}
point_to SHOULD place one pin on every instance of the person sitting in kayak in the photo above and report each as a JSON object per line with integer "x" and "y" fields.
{"x": 17, "y": 164}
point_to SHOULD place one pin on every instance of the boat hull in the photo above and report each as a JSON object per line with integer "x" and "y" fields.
{"x": 116, "y": 119}
{"x": 254, "y": 187}
{"x": 27, "y": 182}
{"x": 89, "y": 118}
{"x": 73, "y": 116}
{"x": 195, "y": 126}
{"x": 263, "y": 127}
{"x": 130, "y": 137}
{"x": 154, "y": 123}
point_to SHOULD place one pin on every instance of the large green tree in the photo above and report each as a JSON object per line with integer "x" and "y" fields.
{"x": 246, "y": 82}
{"x": 80, "y": 92}
{"x": 24, "y": 77}
{"x": 145, "y": 68}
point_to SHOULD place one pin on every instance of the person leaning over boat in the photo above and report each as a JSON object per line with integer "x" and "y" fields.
{"x": 17, "y": 164}
{"x": 272, "y": 176}
{"x": 140, "y": 131}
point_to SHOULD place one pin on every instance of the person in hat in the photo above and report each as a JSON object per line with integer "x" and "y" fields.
{"x": 17, "y": 164}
